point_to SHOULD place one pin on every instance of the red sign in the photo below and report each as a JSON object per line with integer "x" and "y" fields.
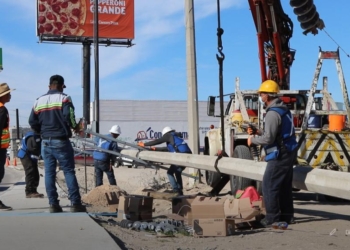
{"x": 76, "y": 18}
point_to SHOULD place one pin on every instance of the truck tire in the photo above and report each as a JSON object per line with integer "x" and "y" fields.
{"x": 211, "y": 178}
{"x": 240, "y": 183}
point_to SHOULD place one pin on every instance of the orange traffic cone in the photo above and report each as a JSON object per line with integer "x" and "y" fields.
{"x": 14, "y": 161}
{"x": 7, "y": 162}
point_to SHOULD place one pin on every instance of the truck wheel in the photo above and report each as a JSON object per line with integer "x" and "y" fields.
{"x": 240, "y": 183}
{"x": 211, "y": 178}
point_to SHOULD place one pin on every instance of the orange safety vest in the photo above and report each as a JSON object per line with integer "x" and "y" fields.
{"x": 5, "y": 135}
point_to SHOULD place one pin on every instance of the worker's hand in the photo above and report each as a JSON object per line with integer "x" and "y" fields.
{"x": 141, "y": 144}
{"x": 250, "y": 131}
{"x": 153, "y": 148}
{"x": 77, "y": 129}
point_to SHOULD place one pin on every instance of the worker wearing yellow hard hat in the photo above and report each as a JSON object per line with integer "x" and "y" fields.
{"x": 279, "y": 142}
{"x": 269, "y": 86}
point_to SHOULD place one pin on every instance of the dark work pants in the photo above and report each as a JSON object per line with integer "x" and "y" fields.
{"x": 32, "y": 174}
{"x": 104, "y": 167}
{"x": 277, "y": 188}
{"x": 3, "y": 155}
{"x": 176, "y": 184}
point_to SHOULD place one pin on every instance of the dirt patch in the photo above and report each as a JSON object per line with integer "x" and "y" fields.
{"x": 97, "y": 196}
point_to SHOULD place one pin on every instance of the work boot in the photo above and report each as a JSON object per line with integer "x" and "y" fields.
{"x": 291, "y": 221}
{"x": 266, "y": 224}
{"x": 3, "y": 207}
{"x": 54, "y": 208}
{"x": 34, "y": 195}
{"x": 179, "y": 192}
{"x": 78, "y": 208}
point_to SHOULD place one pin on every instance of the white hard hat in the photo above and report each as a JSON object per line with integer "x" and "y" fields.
{"x": 115, "y": 129}
{"x": 166, "y": 130}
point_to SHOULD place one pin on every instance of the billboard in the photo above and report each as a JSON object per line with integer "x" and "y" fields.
{"x": 76, "y": 18}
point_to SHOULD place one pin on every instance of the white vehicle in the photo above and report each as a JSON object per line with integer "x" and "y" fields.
{"x": 123, "y": 161}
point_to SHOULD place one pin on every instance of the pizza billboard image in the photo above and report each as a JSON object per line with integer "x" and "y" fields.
{"x": 76, "y": 18}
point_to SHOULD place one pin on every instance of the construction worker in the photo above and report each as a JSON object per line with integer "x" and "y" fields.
{"x": 174, "y": 144}
{"x": 29, "y": 153}
{"x": 104, "y": 161}
{"x": 5, "y": 96}
{"x": 53, "y": 117}
{"x": 279, "y": 141}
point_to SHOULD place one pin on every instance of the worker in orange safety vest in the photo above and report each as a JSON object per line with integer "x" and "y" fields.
{"x": 5, "y": 97}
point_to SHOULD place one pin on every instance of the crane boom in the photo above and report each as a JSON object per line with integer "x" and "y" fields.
{"x": 274, "y": 30}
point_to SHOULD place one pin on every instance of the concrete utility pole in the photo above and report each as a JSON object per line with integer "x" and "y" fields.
{"x": 193, "y": 127}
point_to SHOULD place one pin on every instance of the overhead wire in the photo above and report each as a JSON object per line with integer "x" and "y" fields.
{"x": 335, "y": 42}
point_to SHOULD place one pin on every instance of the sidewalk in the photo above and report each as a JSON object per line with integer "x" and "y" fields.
{"x": 31, "y": 226}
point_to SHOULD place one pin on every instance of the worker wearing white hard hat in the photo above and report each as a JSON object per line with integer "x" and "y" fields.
{"x": 115, "y": 129}
{"x": 104, "y": 161}
{"x": 174, "y": 144}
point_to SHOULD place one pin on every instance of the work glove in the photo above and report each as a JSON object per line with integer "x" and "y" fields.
{"x": 141, "y": 144}
{"x": 153, "y": 148}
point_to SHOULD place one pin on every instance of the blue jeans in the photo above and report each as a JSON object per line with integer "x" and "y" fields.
{"x": 104, "y": 166}
{"x": 62, "y": 151}
{"x": 176, "y": 184}
{"x": 277, "y": 188}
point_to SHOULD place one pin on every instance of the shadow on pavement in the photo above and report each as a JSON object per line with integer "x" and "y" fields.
{"x": 315, "y": 213}
{"x": 317, "y": 199}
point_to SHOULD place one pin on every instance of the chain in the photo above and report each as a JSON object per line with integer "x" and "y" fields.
{"x": 220, "y": 57}
{"x": 220, "y": 32}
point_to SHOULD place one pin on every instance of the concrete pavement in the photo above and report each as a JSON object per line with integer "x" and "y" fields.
{"x": 31, "y": 226}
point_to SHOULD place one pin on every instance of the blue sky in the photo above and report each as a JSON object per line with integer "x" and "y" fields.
{"x": 155, "y": 68}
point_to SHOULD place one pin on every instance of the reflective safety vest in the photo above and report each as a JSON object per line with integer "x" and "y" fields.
{"x": 286, "y": 140}
{"x": 5, "y": 135}
{"x": 22, "y": 151}
{"x": 100, "y": 155}
{"x": 180, "y": 146}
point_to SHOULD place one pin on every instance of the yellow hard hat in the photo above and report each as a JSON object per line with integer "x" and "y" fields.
{"x": 269, "y": 86}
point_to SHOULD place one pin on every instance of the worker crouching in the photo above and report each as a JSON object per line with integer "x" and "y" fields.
{"x": 29, "y": 153}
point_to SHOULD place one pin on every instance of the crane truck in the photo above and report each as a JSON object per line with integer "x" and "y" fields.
{"x": 321, "y": 143}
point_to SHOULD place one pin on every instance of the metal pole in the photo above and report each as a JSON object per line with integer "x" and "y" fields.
{"x": 86, "y": 81}
{"x": 192, "y": 92}
{"x": 17, "y": 124}
{"x": 97, "y": 89}
{"x": 85, "y": 168}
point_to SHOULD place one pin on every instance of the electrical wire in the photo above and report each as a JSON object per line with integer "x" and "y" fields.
{"x": 336, "y": 42}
